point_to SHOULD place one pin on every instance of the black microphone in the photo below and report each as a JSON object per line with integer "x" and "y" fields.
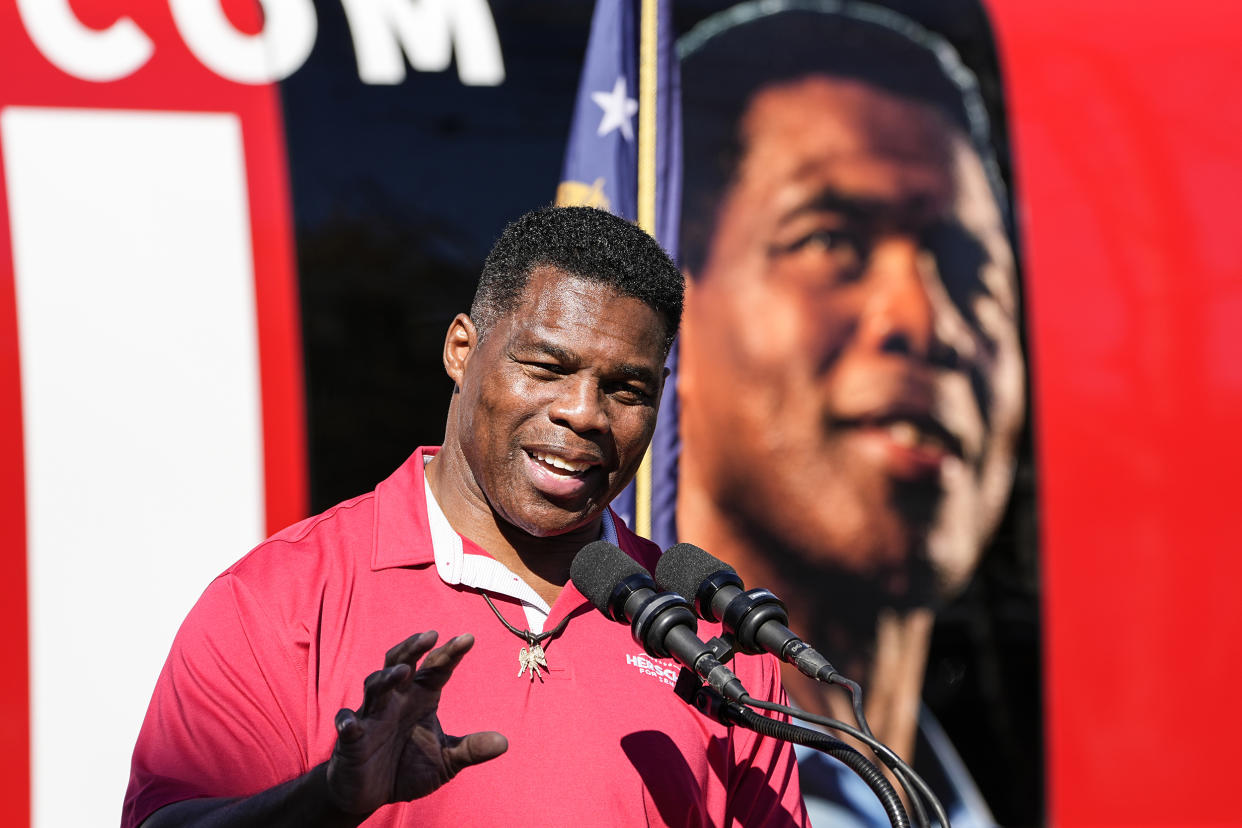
{"x": 755, "y": 618}
{"x": 662, "y": 623}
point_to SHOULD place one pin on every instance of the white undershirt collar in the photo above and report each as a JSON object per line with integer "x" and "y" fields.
{"x": 454, "y": 566}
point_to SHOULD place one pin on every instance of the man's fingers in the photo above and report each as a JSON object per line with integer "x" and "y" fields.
{"x": 412, "y": 649}
{"x": 464, "y": 751}
{"x": 375, "y": 687}
{"x": 440, "y": 664}
{"x": 347, "y": 727}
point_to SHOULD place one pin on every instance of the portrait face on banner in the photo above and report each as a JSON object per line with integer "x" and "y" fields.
{"x": 851, "y": 382}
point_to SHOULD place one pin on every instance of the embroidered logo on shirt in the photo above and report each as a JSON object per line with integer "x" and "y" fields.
{"x": 666, "y": 671}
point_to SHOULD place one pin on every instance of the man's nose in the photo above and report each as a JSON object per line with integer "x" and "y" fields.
{"x": 579, "y": 405}
{"x": 899, "y": 312}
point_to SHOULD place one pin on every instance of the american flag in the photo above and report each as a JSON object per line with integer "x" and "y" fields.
{"x": 602, "y": 169}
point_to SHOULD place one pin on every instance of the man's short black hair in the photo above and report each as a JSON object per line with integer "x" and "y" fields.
{"x": 730, "y": 57}
{"x": 584, "y": 242}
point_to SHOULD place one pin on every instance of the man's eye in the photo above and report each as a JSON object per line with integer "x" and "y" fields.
{"x": 840, "y": 244}
{"x": 842, "y": 248}
{"x": 630, "y": 394}
{"x": 546, "y": 370}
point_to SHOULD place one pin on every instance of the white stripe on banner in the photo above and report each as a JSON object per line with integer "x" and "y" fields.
{"x": 141, "y": 411}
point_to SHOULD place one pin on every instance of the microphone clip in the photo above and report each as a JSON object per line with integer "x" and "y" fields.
{"x": 693, "y": 691}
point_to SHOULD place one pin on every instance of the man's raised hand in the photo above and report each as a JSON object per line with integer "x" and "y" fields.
{"x": 392, "y": 748}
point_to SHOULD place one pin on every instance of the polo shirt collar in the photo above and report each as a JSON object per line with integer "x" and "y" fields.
{"x": 411, "y": 530}
{"x": 402, "y": 535}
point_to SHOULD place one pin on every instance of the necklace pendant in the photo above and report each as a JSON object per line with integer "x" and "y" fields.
{"x": 532, "y": 660}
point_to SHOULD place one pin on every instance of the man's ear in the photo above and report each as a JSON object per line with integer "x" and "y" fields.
{"x": 459, "y": 343}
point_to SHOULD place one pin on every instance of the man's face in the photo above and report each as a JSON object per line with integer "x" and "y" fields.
{"x": 558, "y": 402}
{"x": 850, "y": 352}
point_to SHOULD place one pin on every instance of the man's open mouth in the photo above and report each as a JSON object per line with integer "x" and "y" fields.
{"x": 922, "y": 433}
{"x": 559, "y": 464}
{"x": 913, "y": 431}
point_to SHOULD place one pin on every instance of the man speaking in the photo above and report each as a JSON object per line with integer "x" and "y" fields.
{"x": 299, "y": 690}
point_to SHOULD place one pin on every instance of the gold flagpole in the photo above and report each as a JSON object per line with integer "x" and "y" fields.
{"x": 647, "y": 84}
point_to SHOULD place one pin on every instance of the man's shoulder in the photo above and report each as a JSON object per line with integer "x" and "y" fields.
{"x": 344, "y": 519}
{"x": 346, "y": 528}
{"x": 347, "y": 533}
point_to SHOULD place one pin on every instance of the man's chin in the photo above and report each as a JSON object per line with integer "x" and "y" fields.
{"x": 878, "y": 552}
{"x": 551, "y": 521}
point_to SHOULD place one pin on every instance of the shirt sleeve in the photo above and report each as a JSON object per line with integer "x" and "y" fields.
{"x": 764, "y": 788}
{"x": 227, "y": 717}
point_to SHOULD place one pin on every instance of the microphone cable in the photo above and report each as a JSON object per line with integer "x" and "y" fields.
{"x": 853, "y": 759}
{"x": 905, "y": 774}
{"x": 712, "y": 704}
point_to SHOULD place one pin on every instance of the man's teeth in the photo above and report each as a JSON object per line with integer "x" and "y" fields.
{"x": 908, "y": 435}
{"x": 904, "y": 434}
{"x": 560, "y": 462}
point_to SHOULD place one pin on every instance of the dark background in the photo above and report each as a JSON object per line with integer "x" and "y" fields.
{"x": 399, "y": 192}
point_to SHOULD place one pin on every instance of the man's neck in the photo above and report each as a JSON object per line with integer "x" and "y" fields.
{"x": 845, "y": 618}
{"x": 543, "y": 563}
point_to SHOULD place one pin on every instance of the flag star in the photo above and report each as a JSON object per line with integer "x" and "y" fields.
{"x": 618, "y": 109}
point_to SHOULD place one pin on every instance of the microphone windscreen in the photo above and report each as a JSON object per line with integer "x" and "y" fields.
{"x": 597, "y": 570}
{"x": 684, "y": 566}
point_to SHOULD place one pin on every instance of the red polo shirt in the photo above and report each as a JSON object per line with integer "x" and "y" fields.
{"x": 284, "y": 638}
